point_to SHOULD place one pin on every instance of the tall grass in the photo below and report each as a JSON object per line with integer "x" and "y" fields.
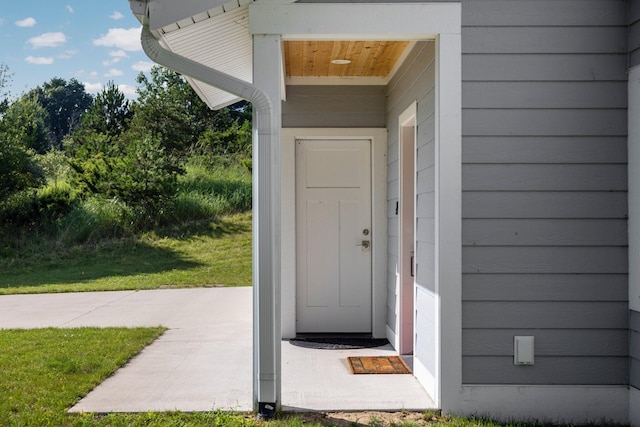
{"x": 54, "y": 216}
{"x": 212, "y": 188}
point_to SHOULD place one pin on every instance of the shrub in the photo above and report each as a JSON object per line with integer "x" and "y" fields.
{"x": 136, "y": 172}
{"x": 35, "y": 209}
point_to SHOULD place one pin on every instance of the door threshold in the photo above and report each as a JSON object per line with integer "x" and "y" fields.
{"x": 334, "y": 341}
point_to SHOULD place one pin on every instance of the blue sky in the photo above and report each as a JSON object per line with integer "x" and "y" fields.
{"x": 93, "y": 41}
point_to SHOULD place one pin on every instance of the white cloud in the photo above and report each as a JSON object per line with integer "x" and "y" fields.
{"x": 67, "y": 54}
{"x": 110, "y": 62}
{"x": 117, "y": 56}
{"x": 39, "y": 60}
{"x": 116, "y": 15}
{"x": 93, "y": 74}
{"x": 48, "y": 40}
{"x": 1, "y": 22}
{"x": 128, "y": 91}
{"x": 121, "y": 38}
{"x": 92, "y": 87}
{"x": 114, "y": 72}
{"x": 143, "y": 66}
{"x": 69, "y": 8}
{"x": 26, "y": 22}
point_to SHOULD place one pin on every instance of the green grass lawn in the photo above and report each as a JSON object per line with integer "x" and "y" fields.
{"x": 200, "y": 254}
{"x": 46, "y": 371}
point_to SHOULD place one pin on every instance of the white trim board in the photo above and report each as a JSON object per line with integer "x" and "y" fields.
{"x": 402, "y": 21}
{"x": 556, "y": 404}
{"x": 634, "y": 189}
{"x": 378, "y": 137}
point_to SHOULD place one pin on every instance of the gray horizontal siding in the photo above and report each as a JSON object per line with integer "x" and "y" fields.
{"x": 544, "y": 287}
{"x": 548, "y": 342}
{"x": 499, "y": 13}
{"x": 544, "y": 181}
{"x": 544, "y": 177}
{"x": 544, "y": 67}
{"x": 547, "y": 370}
{"x": 634, "y": 349}
{"x": 549, "y": 259}
{"x": 539, "y": 204}
{"x": 544, "y": 94}
{"x": 545, "y": 315}
{"x": 544, "y": 122}
{"x": 505, "y": 40}
{"x": 414, "y": 82}
{"x": 545, "y": 149}
{"x": 634, "y": 34}
{"x": 545, "y": 232}
{"x": 334, "y": 106}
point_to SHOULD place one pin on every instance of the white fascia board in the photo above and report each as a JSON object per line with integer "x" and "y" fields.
{"x": 404, "y": 21}
{"x": 166, "y": 12}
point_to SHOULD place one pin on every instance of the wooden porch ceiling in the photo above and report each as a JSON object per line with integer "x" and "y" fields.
{"x": 313, "y": 58}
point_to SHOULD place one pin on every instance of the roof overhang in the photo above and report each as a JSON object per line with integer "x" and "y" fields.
{"x": 211, "y": 32}
{"x": 218, "y": 34}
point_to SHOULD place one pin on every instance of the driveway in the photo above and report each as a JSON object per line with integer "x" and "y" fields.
{"x": 204, "y": 361}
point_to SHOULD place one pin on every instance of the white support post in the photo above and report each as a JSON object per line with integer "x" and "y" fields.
{"x": 266, "y": 227}
{"x": 449, "y": 207}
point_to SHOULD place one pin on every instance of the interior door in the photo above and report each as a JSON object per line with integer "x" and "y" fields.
{"x": 333, "y": 236}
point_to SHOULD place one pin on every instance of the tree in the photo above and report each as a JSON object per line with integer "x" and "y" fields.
{"x": 5, "y": 79}
{"x": 168, "y": 109}
{"x": 25, "y": 122}
{"x": 65, "y": 102}
{"x": 17, "y": 168}
{"x": 110, "y": 113}
{"x": 18, "y": 171}
{"x": 137, "y": 172}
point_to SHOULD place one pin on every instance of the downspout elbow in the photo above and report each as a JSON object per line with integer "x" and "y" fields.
{"x": 208, "y": 75}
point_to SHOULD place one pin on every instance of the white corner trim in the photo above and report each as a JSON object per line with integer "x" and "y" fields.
{"x": 557, "y": 404}
{"x": 634, "y": 189}
{"x": 378, "y": 137}
{"x": 449, "y": 215}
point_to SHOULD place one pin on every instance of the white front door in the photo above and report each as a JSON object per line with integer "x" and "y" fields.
{"x": 333, "y": 229}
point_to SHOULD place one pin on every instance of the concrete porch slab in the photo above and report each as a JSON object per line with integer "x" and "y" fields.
{"x": 204, "y": 361}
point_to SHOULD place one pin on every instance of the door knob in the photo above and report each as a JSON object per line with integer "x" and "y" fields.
{"x": 366, "y": 245}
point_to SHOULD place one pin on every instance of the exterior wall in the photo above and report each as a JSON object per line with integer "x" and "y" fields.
{"x": 634, "y": 33}
{"x": 334, "y": 106}
{"x": 414, "y": 82}
{"x": 544, "y": 191}
{"x": 634, "y": 348}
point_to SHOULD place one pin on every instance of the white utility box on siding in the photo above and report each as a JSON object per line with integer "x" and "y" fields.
{"x": 523, "y": 350}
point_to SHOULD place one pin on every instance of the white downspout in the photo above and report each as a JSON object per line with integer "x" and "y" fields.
{"x": 265, "y": 204}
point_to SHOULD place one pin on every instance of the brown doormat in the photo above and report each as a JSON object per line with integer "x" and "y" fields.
{"x": 378, "y": 365}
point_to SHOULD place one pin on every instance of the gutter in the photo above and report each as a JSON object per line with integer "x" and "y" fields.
{"x": 210, "y": 76}
{"x": 266, "y": 340}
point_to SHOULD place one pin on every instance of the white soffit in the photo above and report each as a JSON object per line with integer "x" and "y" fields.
{"x": 219, "y": 39}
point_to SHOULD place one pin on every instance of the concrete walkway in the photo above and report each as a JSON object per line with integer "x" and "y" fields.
{"x": 204, "y": 360}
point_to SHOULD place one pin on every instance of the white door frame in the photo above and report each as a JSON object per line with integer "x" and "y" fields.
{"x": 378, "y": 139}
